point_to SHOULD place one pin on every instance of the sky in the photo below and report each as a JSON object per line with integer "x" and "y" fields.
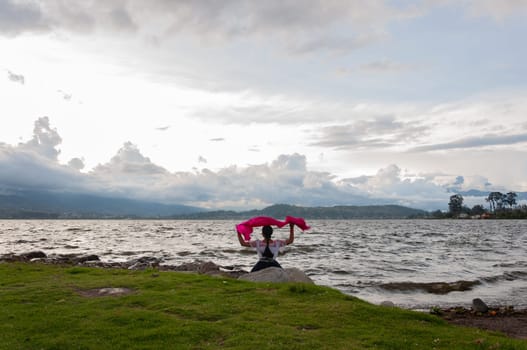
{"x": 243, "y": 104}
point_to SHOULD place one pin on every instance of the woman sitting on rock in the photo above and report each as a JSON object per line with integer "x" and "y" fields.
{"x": 268, "y": 249}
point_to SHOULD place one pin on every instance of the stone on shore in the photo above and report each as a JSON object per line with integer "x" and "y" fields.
{"x": 387, "y": 303}
{"x": 33, "y": 255}
{"x": 479, "y": 305}
{"x": 277, "y": 275}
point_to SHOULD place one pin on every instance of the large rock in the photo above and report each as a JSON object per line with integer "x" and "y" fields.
{"x": 277, "y": 275}
{"x": 479, "y": 305}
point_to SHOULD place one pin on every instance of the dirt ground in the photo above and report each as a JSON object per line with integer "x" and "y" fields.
{"x": 506, "y": 320}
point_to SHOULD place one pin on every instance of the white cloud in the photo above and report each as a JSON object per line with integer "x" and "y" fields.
{"x": 381, "y": 132}
{"x": 386, "y": 66}
{"x": 128, "y": 162}
{"x": 287, "y": 179}
{"x": 76, "y": 163}
{"x": 44, "y": 141}
{"x": 17, "y": 78}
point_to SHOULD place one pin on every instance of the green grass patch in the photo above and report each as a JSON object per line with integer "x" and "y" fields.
{"x": 50, "y": 307}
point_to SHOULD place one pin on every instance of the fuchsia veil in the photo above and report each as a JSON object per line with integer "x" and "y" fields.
{"x": 246, "y": 227}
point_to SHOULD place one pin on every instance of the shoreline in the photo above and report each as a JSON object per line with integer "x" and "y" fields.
{"x": 506, "y": 319}
{"x": 503, "y": 319}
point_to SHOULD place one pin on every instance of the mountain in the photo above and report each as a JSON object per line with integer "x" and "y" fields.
{"x": 41, "y": 204}
{"x": 336, "y": 212}
{"x": 60, "y": 205}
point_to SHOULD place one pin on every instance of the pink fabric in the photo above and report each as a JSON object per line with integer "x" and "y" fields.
{"x": 300, "y": 222}
{"x": 246, "y": 227}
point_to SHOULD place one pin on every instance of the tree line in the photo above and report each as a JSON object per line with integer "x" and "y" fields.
{"x": 501, "y": 206}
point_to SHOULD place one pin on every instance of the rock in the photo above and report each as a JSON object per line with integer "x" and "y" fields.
{"x": 33, "y": 255}
{"x": 387, "y": 303}
{"x": 277, "y": 275}
{"x": 144, "y": 263}
{"x": 83, "y": 259}
{"x": 102, "y": 292}
{"x": 479, "y": 305}
{"x": 432, "y": 287}
{"x": 208, "y": 267}
{"x": 297, "y": 275}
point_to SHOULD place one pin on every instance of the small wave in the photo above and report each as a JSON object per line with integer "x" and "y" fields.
{"x": 77, "y": 229}
{"x": 507, "y": 276}
{"x": 184, "y": 253}
{"x": 513, "y": 264}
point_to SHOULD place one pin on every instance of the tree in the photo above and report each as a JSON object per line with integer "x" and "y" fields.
{"x": 510, "y": 199}
{"x": 478, "y": 209}
{"x": 455, "y": 205}
{"x": 495, "y": 200}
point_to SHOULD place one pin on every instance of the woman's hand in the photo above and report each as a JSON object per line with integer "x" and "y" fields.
{"x": 242, "y": 241}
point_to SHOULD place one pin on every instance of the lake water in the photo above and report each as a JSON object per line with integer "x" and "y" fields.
{"x": 357, "y": 257}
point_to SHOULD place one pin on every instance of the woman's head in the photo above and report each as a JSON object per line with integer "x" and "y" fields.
{"x": 267, "y": 232}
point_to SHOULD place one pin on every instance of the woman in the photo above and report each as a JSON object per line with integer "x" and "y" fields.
{"x": 268, "y": 249}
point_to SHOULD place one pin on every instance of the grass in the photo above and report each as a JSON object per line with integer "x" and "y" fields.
{"x": 42, "y": 307}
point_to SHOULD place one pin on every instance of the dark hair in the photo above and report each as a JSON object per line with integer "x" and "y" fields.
{"x": 267, "y": 232}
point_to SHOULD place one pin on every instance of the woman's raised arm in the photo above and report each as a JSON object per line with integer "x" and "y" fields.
{"x": 243, "y": 242}
{"x": 291, "y": 238}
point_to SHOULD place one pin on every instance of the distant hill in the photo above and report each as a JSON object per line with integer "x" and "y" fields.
{"x": 59, "y": 205}
{"x": 336, "y": 212}
{"x": 52, "y": 205}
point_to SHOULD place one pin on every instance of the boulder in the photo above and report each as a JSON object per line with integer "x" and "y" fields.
{"x": 208, "y": 268}
{"x": 143, "y": 263}
{"x": 479, "y": 305}
{"x": 297, "y": 275}
{"x": 277, "y": 275}
{"x": 33, "y": 255}
{"x": 87, "y": 258}
{"x": 387, "y": 303}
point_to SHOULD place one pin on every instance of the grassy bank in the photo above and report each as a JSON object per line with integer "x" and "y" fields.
{"x": 50, "y": 307}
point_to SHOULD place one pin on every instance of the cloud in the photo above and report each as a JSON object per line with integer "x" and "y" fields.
{"x": 286, "y": 179}
{"x": 44, "y": 141}
{"x": 217, "y": 139}
{"x": 17, "y": 78}
{"x": 381, "y": 132}
{"x": 201, "y": 160}
{"x": 17, "y": 17}
{"x": 34, "y": 164}
{"x": 474, "y": 142}
{"x": 128, "y": 163}
{"x": 299, "y": 26}
{"x": 385, "y": 66}
{"x": 163, "y": 128}
{"x": 66, "y": 96}
{"x": 76, "y": 163}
